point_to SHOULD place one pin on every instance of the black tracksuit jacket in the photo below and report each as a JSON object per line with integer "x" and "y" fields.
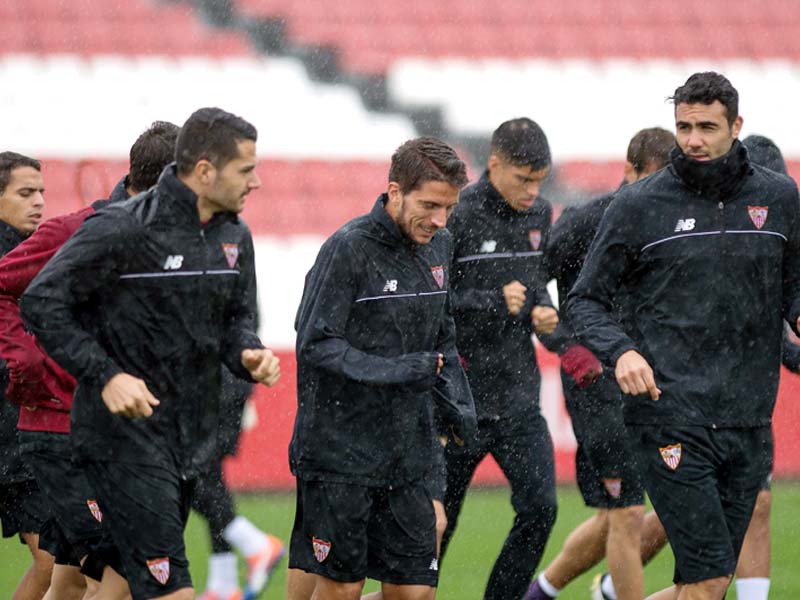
{"x": 373, "y": 317}
{"x": 710, "y": 254}
{"x": 12, "y": 469}
{"x": 494, "y": 245}
{"x": 143, "y": 287}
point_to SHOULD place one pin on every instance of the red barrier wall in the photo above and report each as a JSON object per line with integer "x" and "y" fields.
{"x": 262, "y": 462}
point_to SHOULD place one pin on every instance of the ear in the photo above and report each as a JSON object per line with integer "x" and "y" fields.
{"x": 493, "y": 162}
{"x": 737, "y": 126}
{"x": 204, "y": 171}
{"x": 630, "y": 172}
{"x": 393, "y": 191}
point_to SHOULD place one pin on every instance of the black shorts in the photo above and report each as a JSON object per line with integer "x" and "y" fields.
{"x": 145, "y": 508}
{"x": 23, "y": 508}
{"x": 605, "y": 466}
{"x": 703, "y": 484}
{"x": 75, "y": 524}
{"x": 349, "y": 532}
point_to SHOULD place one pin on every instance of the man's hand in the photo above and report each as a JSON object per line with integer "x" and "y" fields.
{"x": 439, "y": 364}
{"x": 128, "y": 396}
{"x": 263, "y": 365}
{"x": 545, "y": 319}
{"x": 635, "y": 376}
{"x": 514, "y": 294}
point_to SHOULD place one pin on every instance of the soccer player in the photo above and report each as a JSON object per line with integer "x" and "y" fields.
{"x": 500, "y": 230}
{"x": 708, "y": 252}
{"x": 45, "y": 390}
{"x": 375, "y": 350}
{"x": 608, "y": 477}
{"x": 141, "y": 305}
{"x": 22, "y": 505}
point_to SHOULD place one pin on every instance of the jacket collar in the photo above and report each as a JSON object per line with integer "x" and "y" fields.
{"x": 10, "y": 237}
{"x": 380, "y": 215}
{"x": 715, "y": 179}
{"x": 120, "y": 191}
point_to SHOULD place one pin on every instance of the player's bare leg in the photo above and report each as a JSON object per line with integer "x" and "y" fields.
{"x": 36, "y": 581}
{"x": 407, "y": 592}
{"x": 623, "y": 551}
{"x": 583, "y": 548}
{"x": 67, "y": 583}
{"x": 327, "y": 589}
{"x": 753, "y": 568}
{"x": 300, "y": 585}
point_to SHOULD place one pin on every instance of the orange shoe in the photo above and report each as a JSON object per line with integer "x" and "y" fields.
{"x": 261, "y": 566}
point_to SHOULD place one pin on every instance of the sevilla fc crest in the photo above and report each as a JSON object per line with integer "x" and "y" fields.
{"x": 96, "y": 512}
{"x": 159, "y": 568}
{"x": 438, "y": 275}
{"x": 535, "y": 236}
{"x": 231, "y": 253}
{"x": 758, "y": 215}
{"x": 671, "y": 455}
{"x": 613, "y": 487}
{"x": 321, "y": 549}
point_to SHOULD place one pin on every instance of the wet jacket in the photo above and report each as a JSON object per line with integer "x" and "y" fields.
{"x": 711, "y": 255}
{"x": 37, "y": 382}
{"x": 12, "y": 469}
{"x": 143, "y": 287}
{"x": 373, "y": 318}
{"x": 494, "y": 245}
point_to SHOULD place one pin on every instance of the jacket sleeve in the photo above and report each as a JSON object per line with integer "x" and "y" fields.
{"x": 790, "y": 357}
{"x": 29, "y": 367}
{"x": 322, "y": 321}
{"x": 791, "y": 263}
{"x": 240, "y": 329}
{"x": 590, "y": 306}
{"x": 87, "y": 262}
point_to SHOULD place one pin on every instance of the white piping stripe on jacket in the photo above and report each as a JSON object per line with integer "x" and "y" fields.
{"x": 699, "y": 233}
{"x": 179, "y": 274}
{"x": 414, "y": 295}
{"x": 497, "y": 255}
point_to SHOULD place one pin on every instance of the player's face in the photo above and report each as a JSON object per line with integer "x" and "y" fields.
{"x": 518, "y": 185}
{"x": 235, "y": 180}
{"x": 22, "y": 202}
{"x": 424, "y": 211}
{"x": 702, "y": 130}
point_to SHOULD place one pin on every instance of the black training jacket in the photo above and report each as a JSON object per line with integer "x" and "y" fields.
{"x": 143, "y": 287}
{"x": 567, "y": 247}
{"x": 710, "y": 254}
{"x": 12, "y": 469}
{"x": 494, "y": 245}
{"x": 373, "y": 317}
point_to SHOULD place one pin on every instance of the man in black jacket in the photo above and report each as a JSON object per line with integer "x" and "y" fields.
{"x": 22, "y": 506}
{"x": 607, "y": 476}
{"x": 375, "y": 351}
{"x": 708, "y": 252}
{"x": 141, "y": 305}
{"x": 500, "y": 229}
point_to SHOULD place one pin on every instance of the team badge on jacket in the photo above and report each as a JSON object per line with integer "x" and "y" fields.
{"x": 535, "y": 236}
{"x": 321, "y": 549}
{"x": 159, "y": 569}
{"x": 438, "y": 275}
{"x": 758, "y": 215}
{"x": 231, "y": 253}
{"x": 671, "y": 455}
{"x": 95, "y": 509}
{"x": 613, "y": 487}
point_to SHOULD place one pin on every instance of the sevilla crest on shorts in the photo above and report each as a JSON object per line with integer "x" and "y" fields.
{"x": 96, "y": 512}
{"x": 535, "y": 236}
{"x": 671, "y": 455}
{"x": 159, "y": 569}
{"x": 231, "y": 253}
{"x": 321, "y": 549}
{"x": 758, "y": 215}
{"x": 613, "y": 487}
{"x": 438, "y": 274}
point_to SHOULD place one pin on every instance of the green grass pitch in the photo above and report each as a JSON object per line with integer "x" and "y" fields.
{"x": 486, "y": 518}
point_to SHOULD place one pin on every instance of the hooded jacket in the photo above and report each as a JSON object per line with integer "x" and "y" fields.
{"x": 710, "y": 257}
{"x": 373, "y": 318}
{"x": 144, "y": 288}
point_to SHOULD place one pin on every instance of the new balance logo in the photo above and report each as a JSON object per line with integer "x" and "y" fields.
{"x": 684, "y": 225}
{"x": 173, "y": 262}
{"x": 434, "y": 566}
{"x": 488, "y": 246}
{"x": 391, "y": 285}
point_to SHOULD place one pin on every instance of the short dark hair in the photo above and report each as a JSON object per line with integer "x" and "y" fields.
{"x": 522, "y": 143}
{"x": 153, "y": 150}
{"x": 211, "y": 134}
{"x": 705, "y": 88}
{"x": 426, "y": 159}
{"x": 648, "y": 146}
{"x": 10, "y": 161}
{"x": 763, "y": 151}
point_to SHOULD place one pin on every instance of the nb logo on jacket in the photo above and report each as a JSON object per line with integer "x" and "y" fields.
{"x": 685, "y": 225}
{"x": 391, "y": 285}
{"x": 174, "y": 261}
